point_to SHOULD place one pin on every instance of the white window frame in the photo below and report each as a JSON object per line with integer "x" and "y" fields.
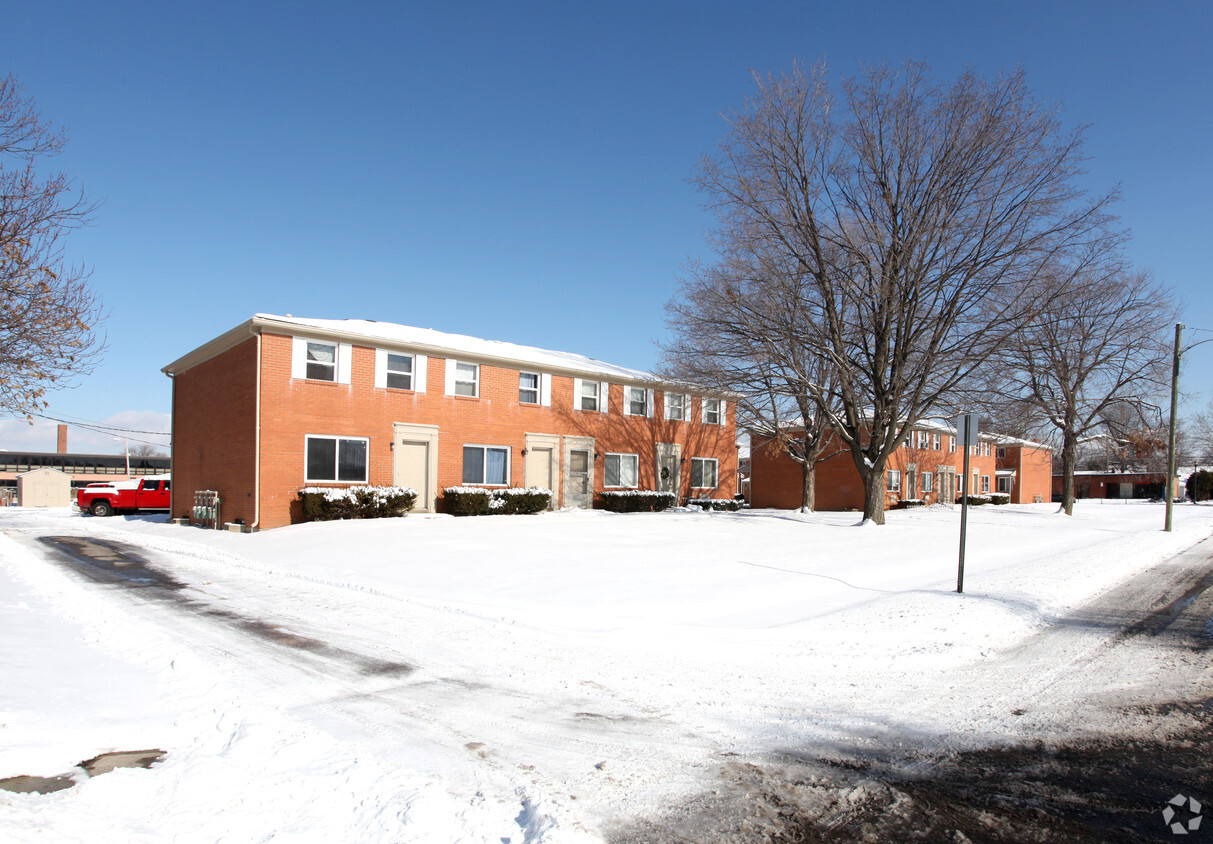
{"x": 951, "y": 444}
{"x": 420, "y": 364}
{"x": 935, "y": 442}
{"x": 928, "y": 482}
{"x": 684, "y": 403}
{"x": 484, "y": 459}
{"x": 600, "y": 400}
{"x": 319, "y": 365}
{"x": 337, "y": 440}
{"x": 704, "y": 413}
{"x": 390, "y": 371}
{"x": 703, "y": 462}
{"x": 922, "y": 440}
{"x": 1004, "y": 480}
{"x": 342, "y": 358}
{"x": 892, "y": 480}
{"x": 619, "y": 459}
{"x": 985, "y": 484}
{"x": 629, "y": 398}
{"x": 537, "y": 389}
{"x": 453, "y": 380}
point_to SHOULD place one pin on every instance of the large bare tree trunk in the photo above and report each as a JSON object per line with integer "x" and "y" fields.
{"x": 808, "y": 495}
{"x": 1069, "y": 460}
{"x": 873, "y": 497}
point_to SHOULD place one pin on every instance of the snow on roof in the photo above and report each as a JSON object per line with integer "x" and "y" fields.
{"x": 405, "y": 335}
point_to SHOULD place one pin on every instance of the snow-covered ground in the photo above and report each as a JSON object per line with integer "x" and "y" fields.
{"x": 520, "y": 679}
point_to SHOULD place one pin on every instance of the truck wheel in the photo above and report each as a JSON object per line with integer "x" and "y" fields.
{"x": 102, "y": 508}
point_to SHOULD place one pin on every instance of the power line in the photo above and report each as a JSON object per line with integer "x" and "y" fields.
{"x": 109, "y": 430}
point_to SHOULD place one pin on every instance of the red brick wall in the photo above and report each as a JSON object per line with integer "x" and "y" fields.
{"x": 214, "y": 432}
{"x": 293, "y": 408}
{"x": 1033, "y": 466}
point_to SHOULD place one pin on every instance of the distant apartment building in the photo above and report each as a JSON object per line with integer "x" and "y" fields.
{"x": 927, "y": 469}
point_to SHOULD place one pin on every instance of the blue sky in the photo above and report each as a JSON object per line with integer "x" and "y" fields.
{"x": 515, "y": 171}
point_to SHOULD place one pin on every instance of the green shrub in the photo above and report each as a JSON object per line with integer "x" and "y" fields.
{"x": 520, "y": 502}
{"x": 465, "y": 500}
{"x": 1000, "y": 498}
{"x": 729, "y": 504}
{"x": 978, "y": 500}
{"x": 1199, "y": 486}
{"x": 637, "y": 501}
{"x": 325, "y": 504}
{"x": 477, "y": 501}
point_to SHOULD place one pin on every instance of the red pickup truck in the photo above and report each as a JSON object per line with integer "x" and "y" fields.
{"x": 146, "y": 495}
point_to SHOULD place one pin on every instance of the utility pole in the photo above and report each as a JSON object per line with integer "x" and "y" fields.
{"x": 1168, "y": 494}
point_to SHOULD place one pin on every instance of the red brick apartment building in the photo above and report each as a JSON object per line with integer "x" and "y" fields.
{"x": 928, "y": 468}
{"x": 279, "y": 403}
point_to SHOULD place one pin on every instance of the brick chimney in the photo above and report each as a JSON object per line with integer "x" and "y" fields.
{"x": 62, "y": 439}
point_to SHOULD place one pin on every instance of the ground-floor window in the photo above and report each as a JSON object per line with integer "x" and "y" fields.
{"x": 1003, "y": 484}
{"x": 486, "y": 464}
{"x": 892, "y": 480}
{"x": 341, "y": 459}
{"x": 985, "y": 484}
{"x": 703, "y": 472}
{"x": 928, "y": 482}
{"x": 621, "y": 470}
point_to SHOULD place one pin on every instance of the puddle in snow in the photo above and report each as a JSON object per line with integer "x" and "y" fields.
{"x": 94, "y": 767}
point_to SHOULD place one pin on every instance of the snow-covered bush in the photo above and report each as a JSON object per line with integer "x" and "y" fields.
{"x": 323, "y": 504}
{"x": 906, "y": 503}
{"x": 476, "y": 501}
{"x": 637, "y": 501}
{"x": 715, "y": 504}
{"x": 1000, "y": 498}
{"x": 522, "y": 502}
{"x": 465, "y": 500}
{"x": 978, "y": 500}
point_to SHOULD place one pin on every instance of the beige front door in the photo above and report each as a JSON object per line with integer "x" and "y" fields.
{"x": 415, "y": 462}
{"x": 541, "y": 466}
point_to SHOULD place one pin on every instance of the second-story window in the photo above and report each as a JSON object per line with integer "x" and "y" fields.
{"x": 589, "y": 395}
{"x": 528, "y": 388}
{"x": 400, "y": 372}
{"x": 675, "y": 406}
{"x": 321, "y": 361}
{"x": 711, "y": 412}
{"x": 467, "y": 379}
{"x": 637, "y": 404}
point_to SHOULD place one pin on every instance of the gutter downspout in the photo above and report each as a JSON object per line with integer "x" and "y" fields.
{"x": 172, "y": 444}
{"x": 257, "y": 441}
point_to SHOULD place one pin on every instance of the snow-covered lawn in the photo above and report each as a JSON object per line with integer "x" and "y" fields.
{"x": 558, "y": 673}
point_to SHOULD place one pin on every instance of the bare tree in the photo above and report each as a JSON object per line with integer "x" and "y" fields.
{"x": 1095, "y": 361}
{"x": 908, "y": 221}
{"x": 733, "y": 331}
{"x": 1199, "y": 436}
{"x": 48, "y": 312}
